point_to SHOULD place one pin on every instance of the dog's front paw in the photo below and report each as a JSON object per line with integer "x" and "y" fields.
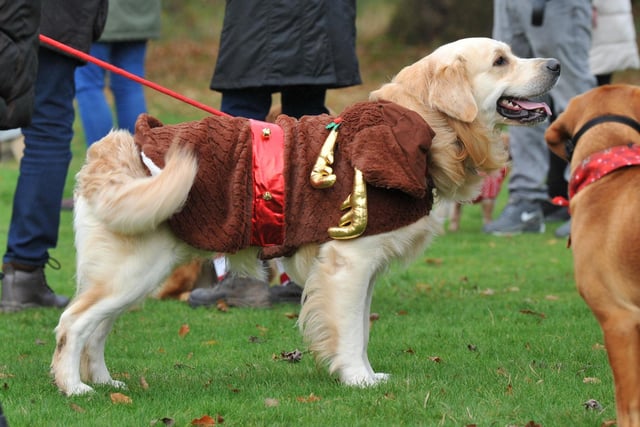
{"x": 113, "y": 383}
{"x": 381, "y": 376}
{"x": 365, "y": 380}
{"x": 78, "y": 390}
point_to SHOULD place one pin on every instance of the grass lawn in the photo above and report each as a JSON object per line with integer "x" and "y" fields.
{"x": 480, "y": 330}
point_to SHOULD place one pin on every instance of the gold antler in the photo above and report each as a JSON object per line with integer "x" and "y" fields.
{"x": 322, "y": 175}
{"x": 354, "y": 222}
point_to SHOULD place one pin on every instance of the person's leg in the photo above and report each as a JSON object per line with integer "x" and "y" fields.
{"x": 95, "y": 113}
{"x": 298, "y": 101}
{"x": 251, "y": 103}
{"x": 129, "y": 95}
{"x": 529, "y": 155}
{"x": 36, "y": 205}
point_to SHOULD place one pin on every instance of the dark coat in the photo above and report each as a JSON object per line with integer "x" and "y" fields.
{"x": 19, "y": 22}
{"x": 287, "y": 43}
{"x": 76, "y": 23}
{"x": 73, "y": 22}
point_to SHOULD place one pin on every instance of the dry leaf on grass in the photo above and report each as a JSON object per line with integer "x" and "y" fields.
{"x": 593, "y": 404}
{"x": 308, "y": 399}
{"x": 533, "y": 313}
{"x": 207, "y": 420}
{"x": 76, "y": 407}
{"x": 184, "y": 330}
{"x": 144, "y": 384}
{"x": 291, "y": 315}
{"x": 271, "y": 403}
{"x": 164, "y": 421}
{"x": 436, "y": 359}
{"x": 291, "y": 356}
{"x": 222, "y": 306}
{"x": 591, "y": 380}
{"x": 119, "y": 398}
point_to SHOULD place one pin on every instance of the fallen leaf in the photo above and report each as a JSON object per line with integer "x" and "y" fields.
{"x": 222, "y": 306}
{"x": 593, "y": 404}
{"x": 591, "y": 380}
{"x": 390, "y": 396}
{"x": 233, "y": 389}
{"x": 77, "y": 408}
{"x": 598, "y": 346}
{"x": 552, "y": 298}
{"x": 291, "y": 315}
{"x": 308, "y": 399}
{"x": 210, "y": 342}
{"x": 374, "y": 316}
{"x": 533, "y": 313}
{"x": 40, "y": 341}
{"x": 433, "y": 261}
{"x": 165, "y": 421}
{"x": 205, "y": 420}
{"x": 532, "y": 424}
{"x": 436, "y": 359}
{"x": 609, "y": 423}
{"x": 291, "y": 356}
{"x": 119, "y": 398}
{"x": 263, "y": 330}
{"x": 271, "y": 403}
{"x": 253, "y": 339}
{"x": 402, "y": 312}
{"x": 184, "y": 330}
{"x": 487, "y": 292}
{"x": 472, "y": 347}
{"x": 410, "y": 351}
{"x": 144, "y": 384}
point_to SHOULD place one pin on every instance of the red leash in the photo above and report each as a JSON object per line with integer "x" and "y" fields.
{"x": 120, "y": 71}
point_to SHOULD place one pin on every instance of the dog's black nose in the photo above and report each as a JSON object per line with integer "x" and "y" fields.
{"x": 553, "y": 65}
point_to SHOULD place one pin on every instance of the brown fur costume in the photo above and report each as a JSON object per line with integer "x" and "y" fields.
{"x": 388, "y": 143}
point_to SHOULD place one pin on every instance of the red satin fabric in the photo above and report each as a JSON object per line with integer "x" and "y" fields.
{"x": 267, "y": 218}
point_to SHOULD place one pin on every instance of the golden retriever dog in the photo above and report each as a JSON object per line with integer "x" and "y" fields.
{"x": 126, "y": 246}
{"x": 599, "y": 132}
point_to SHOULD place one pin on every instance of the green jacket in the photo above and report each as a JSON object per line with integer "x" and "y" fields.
{"x": 132, "y": 20}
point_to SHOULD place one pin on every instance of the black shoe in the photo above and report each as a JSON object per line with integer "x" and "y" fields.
{"x": 291, "y": 292}
{"x": 234, "y": 291}
{"x": 26, "y": 287}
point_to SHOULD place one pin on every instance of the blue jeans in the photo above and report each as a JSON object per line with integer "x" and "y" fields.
{"x": 254, "y": 103}
{"x": 43, "y": 169}
{"x": 95, "y": 113}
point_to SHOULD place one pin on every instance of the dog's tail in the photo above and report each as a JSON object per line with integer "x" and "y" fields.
{"x": 127, "y": 200}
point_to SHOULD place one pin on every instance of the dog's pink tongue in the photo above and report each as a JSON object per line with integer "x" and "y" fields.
{"x": 531, "y": 105}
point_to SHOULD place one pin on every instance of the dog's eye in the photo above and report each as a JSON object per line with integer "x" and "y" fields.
{"x": 500, "y": 61}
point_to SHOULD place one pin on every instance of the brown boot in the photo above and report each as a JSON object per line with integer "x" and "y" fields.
{"x": 26, "y": 286}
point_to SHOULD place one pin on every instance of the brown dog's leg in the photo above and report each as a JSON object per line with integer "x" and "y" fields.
{"x": 622, "y": 339}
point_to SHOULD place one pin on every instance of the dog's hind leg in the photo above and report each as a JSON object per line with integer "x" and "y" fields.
{"x": 335, "y": 312}
{"x": 622, "y": 340}
{"x": 93, "y": 367}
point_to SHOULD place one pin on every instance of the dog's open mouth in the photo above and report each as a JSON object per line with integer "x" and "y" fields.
{"x": 523, "y": 110}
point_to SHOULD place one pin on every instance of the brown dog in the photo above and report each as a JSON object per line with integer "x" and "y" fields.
{"x": 605, "y": 232}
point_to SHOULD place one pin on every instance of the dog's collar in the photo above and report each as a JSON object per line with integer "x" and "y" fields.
{"x": 603, "y": 163}
{"x": 570, "y": 144}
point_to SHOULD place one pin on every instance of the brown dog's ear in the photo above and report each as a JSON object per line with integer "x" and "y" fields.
{"x": 450, "y": 92}
{"x": 558, "y": 133}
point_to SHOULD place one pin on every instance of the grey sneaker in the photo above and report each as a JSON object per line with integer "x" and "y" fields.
{"x": 519, "y": 216}
{"x": 564, "y": 230}
{"x": 25, "y": 289}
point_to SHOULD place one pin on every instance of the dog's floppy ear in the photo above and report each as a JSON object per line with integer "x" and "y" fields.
{"x": 450, "y": 91}
{"x": 558, "y": 132}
